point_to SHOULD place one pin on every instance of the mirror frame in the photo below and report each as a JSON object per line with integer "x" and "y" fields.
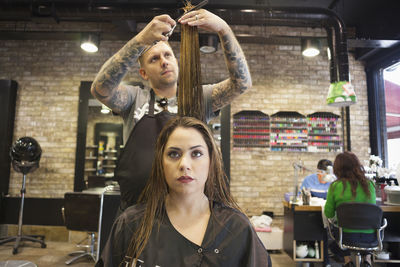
{"x": 84, "y": 96}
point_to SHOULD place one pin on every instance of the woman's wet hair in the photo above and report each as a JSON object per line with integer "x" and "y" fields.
{"x": 156, "y": 190}
{"x": 190, "y": 90}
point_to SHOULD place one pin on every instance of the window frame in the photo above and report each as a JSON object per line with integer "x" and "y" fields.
{"x": 376, "y": 99}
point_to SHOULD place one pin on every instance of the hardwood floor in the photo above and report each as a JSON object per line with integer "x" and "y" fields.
{"x": 56, "y": 254}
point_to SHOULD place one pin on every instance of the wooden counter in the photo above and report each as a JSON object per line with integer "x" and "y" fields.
{"x": 385, "y": 208}
{"x": 304, "y": 223}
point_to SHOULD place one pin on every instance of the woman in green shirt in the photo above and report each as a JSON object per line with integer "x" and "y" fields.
{"x": 351, "y": 186}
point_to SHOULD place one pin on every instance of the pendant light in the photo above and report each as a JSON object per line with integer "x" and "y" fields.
{"x": 105, "y": 109}
{"x": 90, "y": 42}
{"x": 341, "y": 94}
{"x": 310, "y": 47}
{"x": 208, "y": 43}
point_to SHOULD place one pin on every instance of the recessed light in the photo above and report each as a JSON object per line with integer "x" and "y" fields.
{"x": 249, "y": 10}
{"x": 104, "y": 7}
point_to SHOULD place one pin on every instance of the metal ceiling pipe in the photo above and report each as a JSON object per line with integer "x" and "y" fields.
{"x": 337, "y": 42}
{"x": 233, "y": 15}
{"x": 333, "y": 24}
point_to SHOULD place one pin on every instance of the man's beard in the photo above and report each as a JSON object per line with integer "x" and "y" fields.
{"x": 162, "y": 83}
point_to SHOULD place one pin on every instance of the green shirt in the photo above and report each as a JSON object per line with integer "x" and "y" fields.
{"x": 336, "y": 196}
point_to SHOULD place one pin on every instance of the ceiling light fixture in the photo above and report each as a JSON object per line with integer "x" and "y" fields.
{"x": 208, "y": 43}
{"x": 90, "y": 42}
{"x": 105, "y": 109}
{"x": 249, "y": 10}
{"x": 104, "y": 7}
{"x": 310, "y": 47}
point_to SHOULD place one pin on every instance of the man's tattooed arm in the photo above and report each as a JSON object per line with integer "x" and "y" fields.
{"x": 106, "y": 86}
{"x": 239, "y": 80}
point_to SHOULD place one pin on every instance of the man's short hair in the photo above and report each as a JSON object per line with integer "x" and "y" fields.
{"x": 140, "y": 58}
{"x": 323, "y": 164}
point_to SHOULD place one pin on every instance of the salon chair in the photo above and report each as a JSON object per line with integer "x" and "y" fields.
{"x": 354, "y": 215}
{"x": 81, "y": 212}
{"x": 25, "y": 155}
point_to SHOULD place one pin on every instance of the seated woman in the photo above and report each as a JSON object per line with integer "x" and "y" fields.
{"x": 318, "y": 182}
{"x": 351, "y": 186}
{"x": 185, "y": 215}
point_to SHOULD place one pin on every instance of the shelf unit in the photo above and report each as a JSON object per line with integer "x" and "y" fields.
{"x": 90, "y": 160}
{"x": 303, "y": 224}
{"x": 309, "y": 259}
{"x": 251, "y": 128}
{"x": 288, "y": 131}
{"x": 391, "y": 241}
{"x": 99, "y": 164}
{"x": 323, "y": 134}
{"x": 107, "y": 163}
{"x": 375, "y": 259}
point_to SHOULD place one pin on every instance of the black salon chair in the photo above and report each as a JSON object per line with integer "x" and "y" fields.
{"x": 354, "y": 215}
{"x": 81, "y": 212}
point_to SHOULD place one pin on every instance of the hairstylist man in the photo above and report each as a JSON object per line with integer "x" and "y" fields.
{"x": 143, "y": 119}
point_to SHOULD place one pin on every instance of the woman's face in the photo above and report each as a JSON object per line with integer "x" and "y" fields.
{"x": 186, "y": 161}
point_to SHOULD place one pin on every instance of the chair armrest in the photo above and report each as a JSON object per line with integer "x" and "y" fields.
{"x": 381, "y": 234}
{"x": 332, "y": 223}
{"x": 384, "y": 224}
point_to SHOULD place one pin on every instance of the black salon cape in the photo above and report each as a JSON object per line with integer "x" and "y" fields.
{"x": 229, "y": 241}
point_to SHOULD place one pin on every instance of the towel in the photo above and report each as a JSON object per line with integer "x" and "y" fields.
{"x": 261, "y": 223}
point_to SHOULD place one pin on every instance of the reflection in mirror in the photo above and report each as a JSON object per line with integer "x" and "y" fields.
{"x": 103, "y": 145}
{"x": 215, "y": 126}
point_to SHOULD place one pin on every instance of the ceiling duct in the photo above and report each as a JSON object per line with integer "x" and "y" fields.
{"x": 337, "y": 42}
{"x": 124, "y": 10}
{"x": 318, "y": 17}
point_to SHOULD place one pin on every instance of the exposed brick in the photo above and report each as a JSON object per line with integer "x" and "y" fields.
{"x": 49, "y": 75}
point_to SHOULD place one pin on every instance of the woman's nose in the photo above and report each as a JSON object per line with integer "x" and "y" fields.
{"x": 184, "y": 163}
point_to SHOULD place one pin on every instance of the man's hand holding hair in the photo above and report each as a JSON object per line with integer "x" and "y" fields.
{"x": 205, "y": 20}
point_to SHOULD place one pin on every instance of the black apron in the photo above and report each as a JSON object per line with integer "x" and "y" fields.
{"x": 134, "y": 165}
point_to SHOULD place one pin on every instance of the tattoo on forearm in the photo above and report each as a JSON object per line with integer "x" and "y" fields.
{"x": 119, "y": 101}
{"x": 113, "y": 71}
{"x": 236, "y": 62}
{"x": 222, "y": 95}
{"x": 240, "y": 79}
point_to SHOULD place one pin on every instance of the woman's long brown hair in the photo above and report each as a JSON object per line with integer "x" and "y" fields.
{"x": 190, "y": 91}
{"x": 156, "y": 190}
{"x": 347, "y": 167}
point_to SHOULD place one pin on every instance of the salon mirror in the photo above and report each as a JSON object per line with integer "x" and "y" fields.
{"x": 99, "y": 142}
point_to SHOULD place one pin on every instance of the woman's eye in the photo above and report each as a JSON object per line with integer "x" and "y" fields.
{"x": 173, "y": 154}
{"x": 197, "y": 153}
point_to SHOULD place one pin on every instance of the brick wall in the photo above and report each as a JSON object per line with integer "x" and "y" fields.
{"x": 49, "y": 74}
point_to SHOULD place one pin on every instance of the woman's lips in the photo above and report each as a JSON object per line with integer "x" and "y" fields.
{"x": 185, "y": 179}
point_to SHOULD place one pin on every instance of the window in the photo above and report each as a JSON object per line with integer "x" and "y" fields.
{"x": 383, "y": 105}
{"x": 391, "y": 77}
